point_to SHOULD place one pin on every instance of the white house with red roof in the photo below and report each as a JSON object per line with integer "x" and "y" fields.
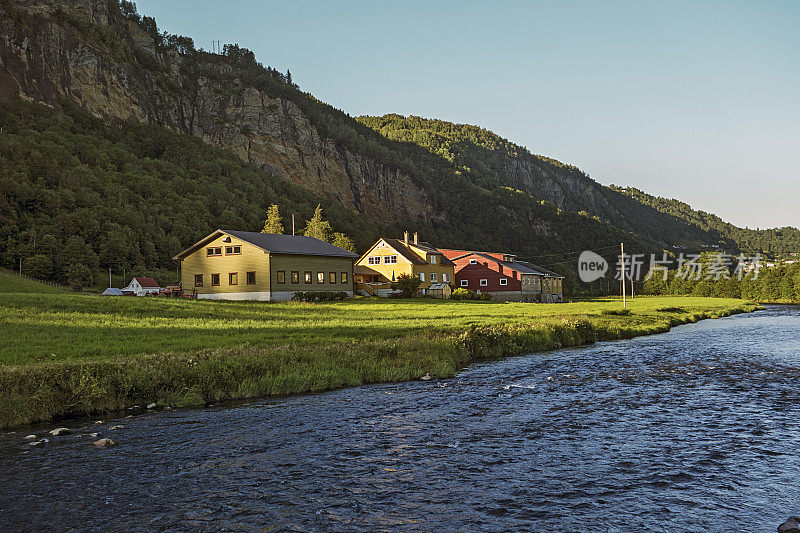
{"x": 142, "y": 286}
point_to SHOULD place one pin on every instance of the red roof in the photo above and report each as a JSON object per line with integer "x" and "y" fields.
{"x": 148, "y": 283}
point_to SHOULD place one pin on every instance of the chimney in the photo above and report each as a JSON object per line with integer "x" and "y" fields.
{"x": 405, "y": 237}
{"x": 416, "y": 238}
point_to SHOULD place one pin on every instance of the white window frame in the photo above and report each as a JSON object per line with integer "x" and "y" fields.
{"x": 374, "y": 260}
{"x": 484, "y": 282}
{"x": 422, "y": 276}
{"x": 473, "y": 261}
{"x": 446, "y": 277}
{"x": 433, "y": 259}
{"x": 464, "y": 283}
{"x": 434, "y": 277}
{"x": 389, "y": 259}
{"x": 503, "y": 281}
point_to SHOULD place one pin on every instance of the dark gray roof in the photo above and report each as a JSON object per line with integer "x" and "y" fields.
{"x": 290, "y": 244}
{"x": 541, "y": 269}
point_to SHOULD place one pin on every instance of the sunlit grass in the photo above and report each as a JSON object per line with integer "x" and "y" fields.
{"x": 70, "y": 353}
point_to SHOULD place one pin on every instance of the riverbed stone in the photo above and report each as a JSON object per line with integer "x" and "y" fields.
{"x": 790, "y": 526}
{"x": 60, "y": 431}
{"x": 116, "y": 427}
{"x": 30, "y": 437}
{"x": 151, "y": 405}
{"x": 105, "y": 443}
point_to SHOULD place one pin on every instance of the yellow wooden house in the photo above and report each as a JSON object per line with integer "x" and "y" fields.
{"x": 388, "y": 258}
{"x": 245, "y": 265}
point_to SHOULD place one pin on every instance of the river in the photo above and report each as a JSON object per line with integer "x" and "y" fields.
{"x": 692, "y": 430}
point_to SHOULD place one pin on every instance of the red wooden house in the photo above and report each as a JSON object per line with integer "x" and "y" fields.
{"x": 503, "y": 276}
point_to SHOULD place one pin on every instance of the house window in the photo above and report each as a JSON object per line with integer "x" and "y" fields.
{"x": 233, "y": 278}
{"x": 307, "y": 276}
{"x": 433, "y": 259}
{"x": 389, "y": 259}
{"x": 198, "y": 280}
{"x": 375, "y": 260}
{"x": 484, "y": 282}
{"x": 212, "y": 252}
{"x": 332, "y": 277}
{"x": 320, "y": 277}
{"x": 344, "y": 277}
{"x": 446, "y": 277}
{"x": 215, "y": 280}
{"x": 251, "y": 278}
{"x": 295, "y": 276}
{"x": 422, "y": 276}
{"x": 464, "y": 282}
{"x": 504, "y": 281}
{"x": 233, "y": 250}
{"x": 434, "y": 277}
{"x": 473, "y": 261}
{"x": 281, "y": 276}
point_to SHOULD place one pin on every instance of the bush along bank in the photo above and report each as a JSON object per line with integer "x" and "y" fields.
{"x": 40, "y": 392}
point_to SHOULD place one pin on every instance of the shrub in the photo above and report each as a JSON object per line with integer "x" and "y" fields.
{"x": 407, "y": 285}
{"x": 466, "y": 294}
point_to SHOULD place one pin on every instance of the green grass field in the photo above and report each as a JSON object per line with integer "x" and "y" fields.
{"x": 66, "y": 353}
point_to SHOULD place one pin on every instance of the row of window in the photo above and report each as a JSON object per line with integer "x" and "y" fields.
{"x": 434, "y": 277}
{"x": 215, "y": 251}
{"x": 233, "y": 278}
{"x": 308, "y": 276}
{"x": 483, "y": 282}
{"x": 387, "y": 260}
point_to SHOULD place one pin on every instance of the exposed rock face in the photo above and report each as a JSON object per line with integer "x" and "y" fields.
{"x": 57, "y": 51}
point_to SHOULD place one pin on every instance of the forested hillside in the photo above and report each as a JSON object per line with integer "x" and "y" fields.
{"x": 774, "y": 241}
{"x": 489, "y": 159}
{"x": 77, "y": 191}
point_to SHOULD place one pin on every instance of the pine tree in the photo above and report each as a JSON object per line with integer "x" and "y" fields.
{"x": 273, "y": 223}
{"x": 343, "y": 241}
{"x": 317, "y": 227}
{"x": 288, "y": 76}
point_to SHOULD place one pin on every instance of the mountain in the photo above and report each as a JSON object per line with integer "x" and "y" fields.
{"x": 491, "y": 160}
{"x": 115, "y": 132}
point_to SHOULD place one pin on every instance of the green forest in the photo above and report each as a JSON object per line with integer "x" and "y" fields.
{"x": 774, "y": 284}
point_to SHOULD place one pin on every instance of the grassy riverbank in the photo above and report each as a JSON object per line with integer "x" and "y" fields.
{"x": 67, "y": 354}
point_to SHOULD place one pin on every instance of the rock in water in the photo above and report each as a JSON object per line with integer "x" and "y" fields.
{"x": 790, "y": 526}
{"x": 60, "y": 431}
{"x": 426, "y": 377}
{"x": 105, "y": 443}
{"x": 30, "y": 437}
{"x": 151, "y": 406}
{"x": 116, "y": 427}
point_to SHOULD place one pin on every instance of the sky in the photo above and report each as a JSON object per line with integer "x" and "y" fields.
{"x": 697, "y": 100}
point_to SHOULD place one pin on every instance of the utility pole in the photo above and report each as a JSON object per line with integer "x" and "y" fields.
{"x": 20, "y": 266}
{"x": 109, "y": 278}
{"x": 622, "y": 257}
{"x": 292, "y": 223}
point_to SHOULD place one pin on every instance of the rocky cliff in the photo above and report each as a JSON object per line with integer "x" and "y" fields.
{"x": 90, "y": 53}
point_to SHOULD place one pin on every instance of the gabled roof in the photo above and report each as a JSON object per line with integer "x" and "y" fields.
{"x": 522, "y": 267}
{"x": 147, "y": 283}
{"x": 277, "y": 244}
{"x": 401, "y": 248}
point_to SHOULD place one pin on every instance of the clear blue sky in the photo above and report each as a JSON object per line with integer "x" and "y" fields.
{"x": 694, "y": 100}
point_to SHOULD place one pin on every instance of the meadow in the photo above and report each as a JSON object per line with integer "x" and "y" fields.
{"x": 68, "y": 354}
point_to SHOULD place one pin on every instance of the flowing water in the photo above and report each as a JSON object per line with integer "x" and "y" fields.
{"x": 697, "y": 429}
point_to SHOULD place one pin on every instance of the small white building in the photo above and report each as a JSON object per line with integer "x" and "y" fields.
{"x": 143, "y": 286}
